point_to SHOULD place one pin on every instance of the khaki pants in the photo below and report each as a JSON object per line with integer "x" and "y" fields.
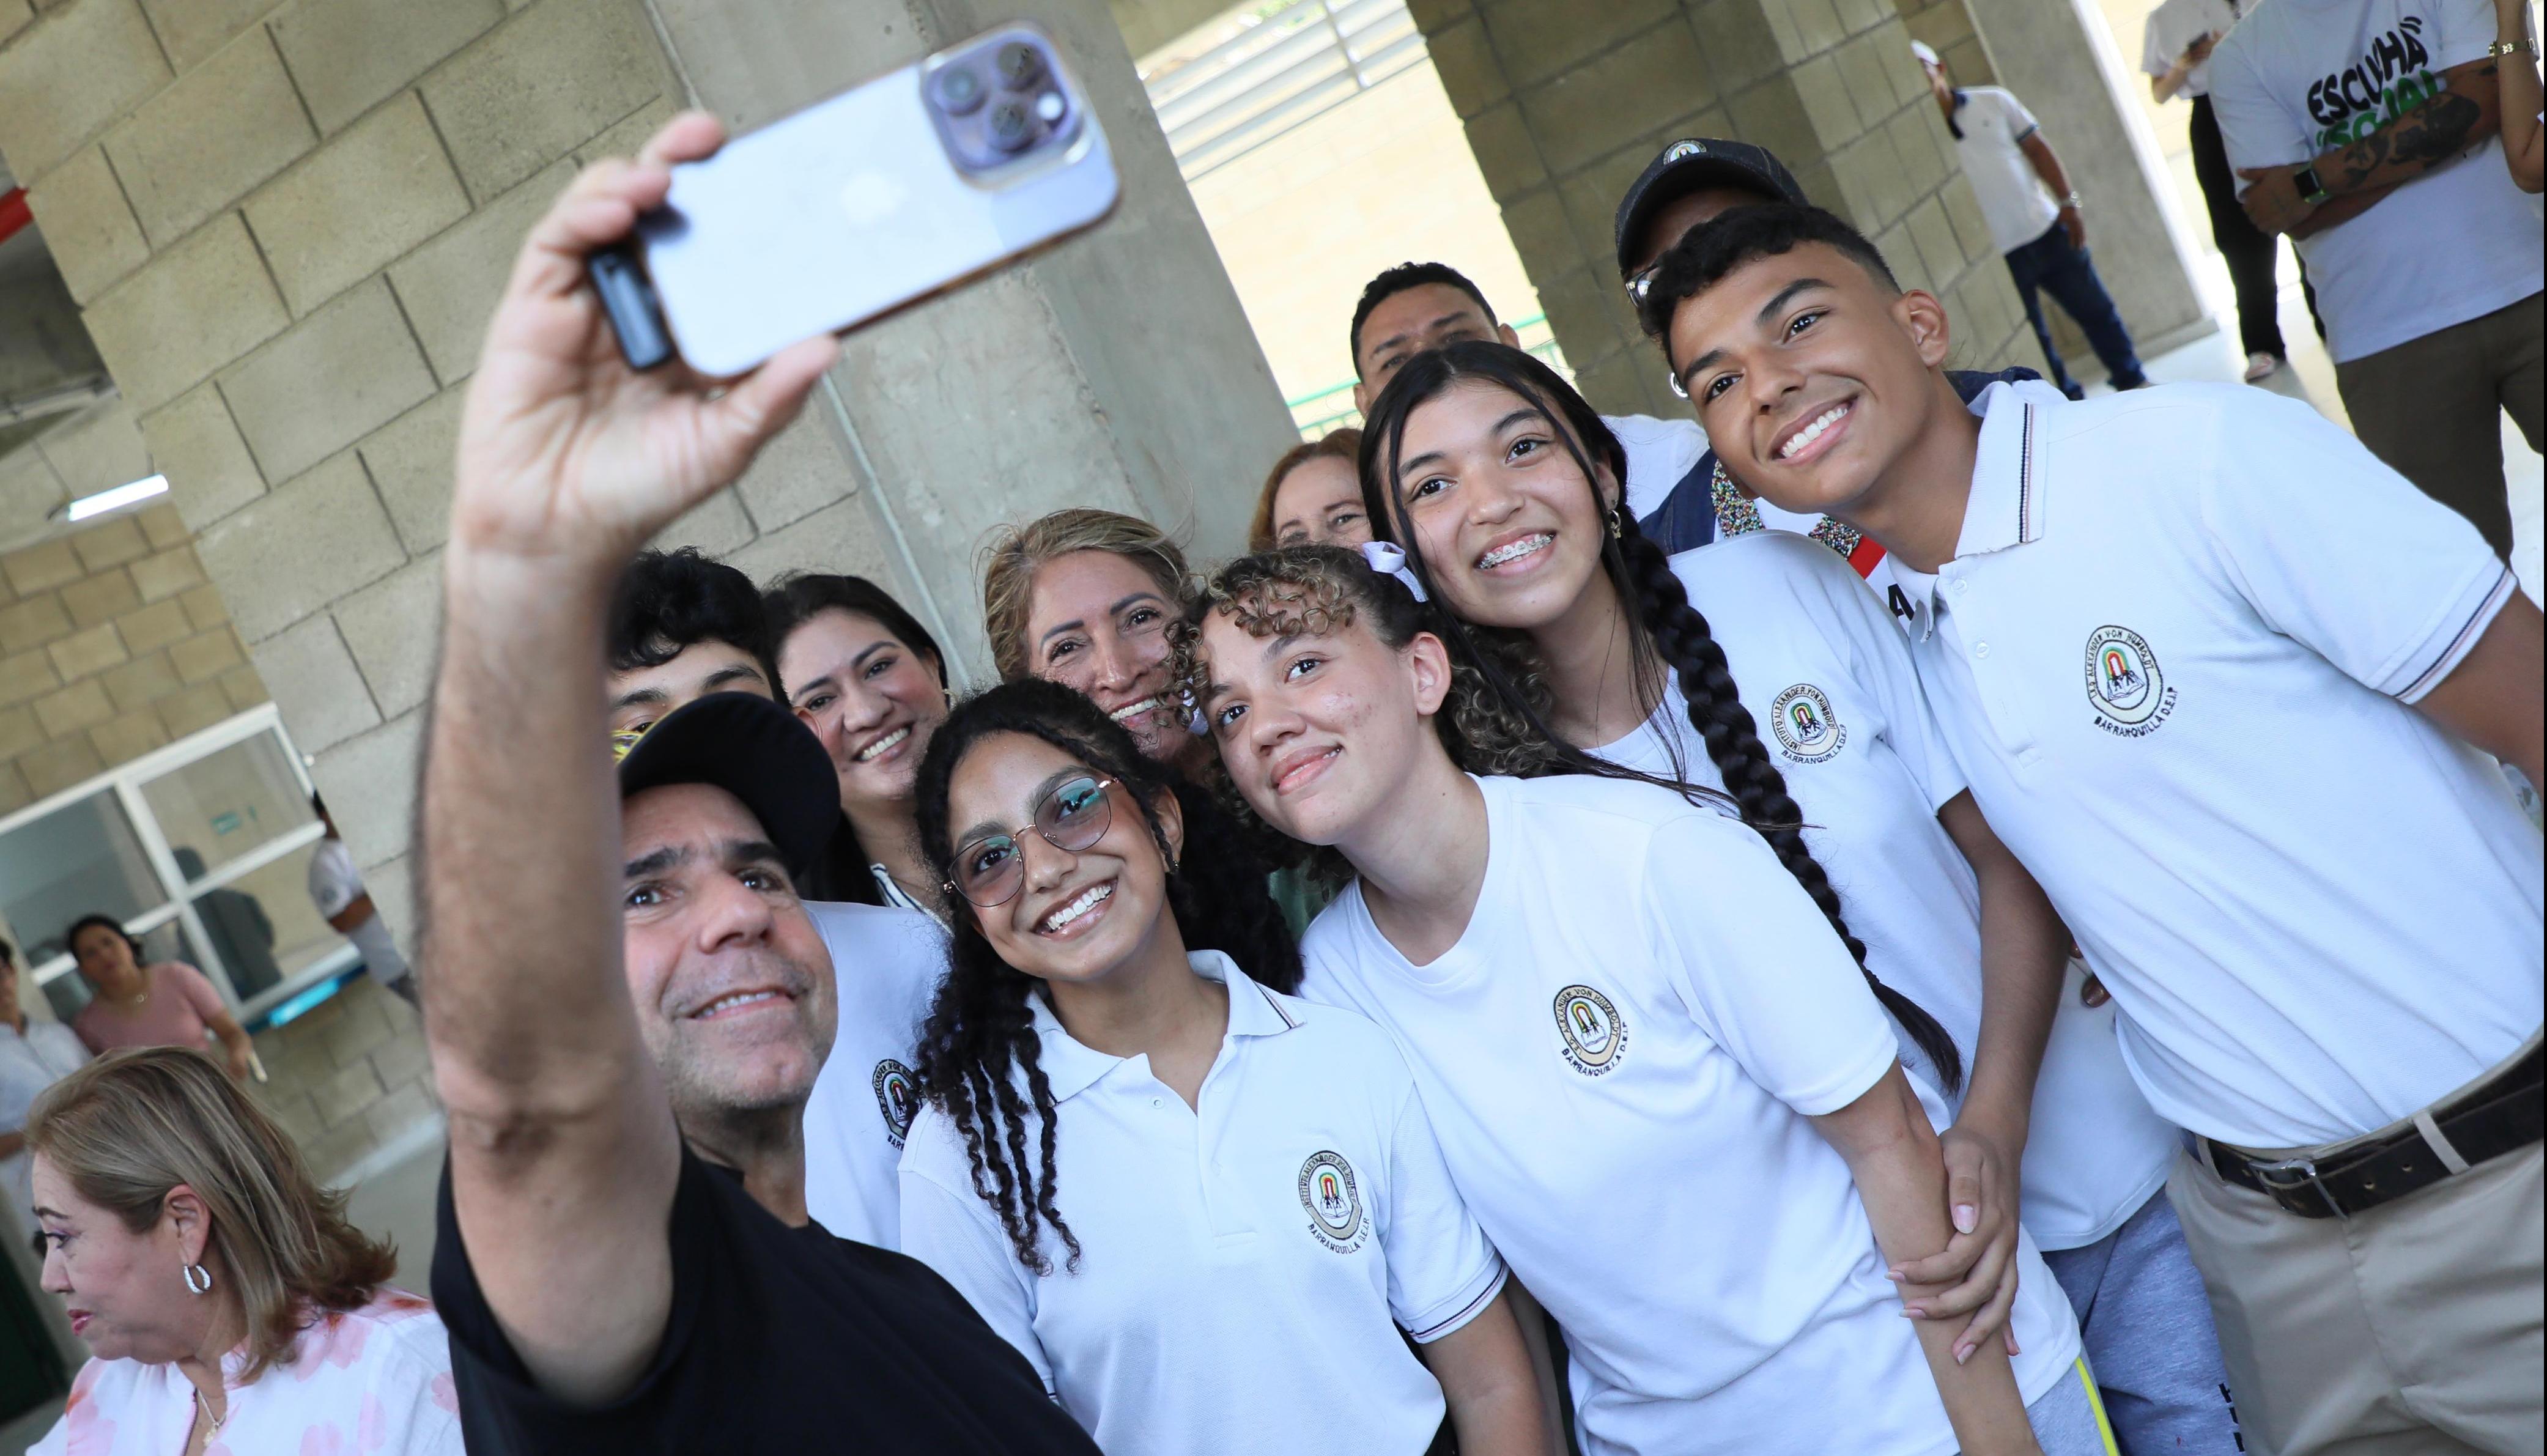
{"x": 2429, "y": 405}
{"x": 2412, "y": 1328}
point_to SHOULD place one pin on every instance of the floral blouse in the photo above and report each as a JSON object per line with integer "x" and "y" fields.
{"x": 373, "y": 1380}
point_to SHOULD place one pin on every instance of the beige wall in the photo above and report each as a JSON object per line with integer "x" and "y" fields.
{"x": 112, "y": 644}
{"x": 1302, "y": 223}
{"x": 1564, "y": 103}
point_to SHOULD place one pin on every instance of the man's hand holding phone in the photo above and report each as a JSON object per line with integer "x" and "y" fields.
{"x": 568, "y": 460}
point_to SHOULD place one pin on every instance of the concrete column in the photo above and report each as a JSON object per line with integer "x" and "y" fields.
{"x": 1115, "y": 370}
{"x": 2058, "y": 57}
{"x": 1566, "y": 102}
{"x": 285, "y": 225}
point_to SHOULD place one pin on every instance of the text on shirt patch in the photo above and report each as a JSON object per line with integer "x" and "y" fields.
{"x": 1334, "y": 1201}
{"x": 2125, "y": 684}
{"x": 897, "y": 1095}
{"x": 1808, "y": 730}
{"x": 1593, "y": 1032}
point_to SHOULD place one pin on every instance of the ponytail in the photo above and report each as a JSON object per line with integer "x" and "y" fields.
{"x": 1663, "y": 628}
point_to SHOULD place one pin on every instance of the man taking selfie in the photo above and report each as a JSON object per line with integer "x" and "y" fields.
{"x": 625, "y": 1261}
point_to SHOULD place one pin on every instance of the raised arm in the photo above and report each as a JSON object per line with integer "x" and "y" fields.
{"x": 2165, "y": 85}
{"x": 564, "y": 1155}
{"x": 1891, "y": 1152}
{"x": 2464, "y": 111}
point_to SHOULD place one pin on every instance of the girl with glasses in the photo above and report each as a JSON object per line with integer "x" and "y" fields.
{"x": 1202, "y": 1208}
{"x": 1657, "y": 1072}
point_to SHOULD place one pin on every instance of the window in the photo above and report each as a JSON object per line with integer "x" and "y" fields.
{"x": 202, "y": 849}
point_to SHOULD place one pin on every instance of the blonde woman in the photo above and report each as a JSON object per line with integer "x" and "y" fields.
{"x": 230, "y": 1307}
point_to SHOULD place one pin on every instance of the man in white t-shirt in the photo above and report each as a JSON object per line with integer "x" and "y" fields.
{"x": 336, "y": 888}
{"x": 2033, "y": 215}
{"x": 2176, "y": 51}
{"x": 2227, "y": 687}
{"x": 2432, "y": 299}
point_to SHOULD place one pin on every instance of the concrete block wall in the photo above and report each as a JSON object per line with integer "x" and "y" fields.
{"x": 348, "y": 1080}
{"x": 113, "y": 643}
{"x": 1565, "y": 101}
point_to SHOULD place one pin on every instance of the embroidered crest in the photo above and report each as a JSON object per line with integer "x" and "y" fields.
{"x": 2125, "y": 684}
{"x": 1594, "y": 1031}
{"x": 1334, "y": 1201}
{"x": 1808, "y": 730}
{"x": 897, "y": 1095}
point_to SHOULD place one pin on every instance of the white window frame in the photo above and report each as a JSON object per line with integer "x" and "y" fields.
{"x": 126, "y": 781}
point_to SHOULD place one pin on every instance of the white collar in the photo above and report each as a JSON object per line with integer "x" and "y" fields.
{"x": 1071, "y": 1067}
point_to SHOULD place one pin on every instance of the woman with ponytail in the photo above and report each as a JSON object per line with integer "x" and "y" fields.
{"x": 1202, "y": 1208}
{"x": 1763, "y": 667}
{"x": 1657, "y": 1075}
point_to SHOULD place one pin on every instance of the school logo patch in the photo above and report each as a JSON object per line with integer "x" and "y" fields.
{"x": 1334, "y": 1201}
{"x": 1594, "y": 1031}
{"x": 1808, "y": 730}
{"x": 897, "y": 1094}
{"x": 2125, "y": 684}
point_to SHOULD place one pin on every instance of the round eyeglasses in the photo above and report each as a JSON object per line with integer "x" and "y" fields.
{"x": 1070, "y": 817}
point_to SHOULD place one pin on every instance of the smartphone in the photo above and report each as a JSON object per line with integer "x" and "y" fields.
{"x": 856, "y": 205}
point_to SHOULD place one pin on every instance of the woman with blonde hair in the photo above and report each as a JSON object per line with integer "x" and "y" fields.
{"x": 228, "y": 1305}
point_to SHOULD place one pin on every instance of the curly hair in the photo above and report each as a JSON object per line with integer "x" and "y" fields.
{"x": 1665, "y": 629}
{"x": 1009, "y": 565}
{"x": 979, "y": 1042}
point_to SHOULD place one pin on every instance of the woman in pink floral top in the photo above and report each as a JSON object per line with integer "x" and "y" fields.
{"x": 231, "y": 1309}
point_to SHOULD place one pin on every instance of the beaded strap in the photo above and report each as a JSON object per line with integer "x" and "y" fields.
{"x": 1736, "y": 515}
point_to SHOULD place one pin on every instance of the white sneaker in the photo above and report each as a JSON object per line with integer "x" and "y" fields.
{"x": 2261, "y": 366}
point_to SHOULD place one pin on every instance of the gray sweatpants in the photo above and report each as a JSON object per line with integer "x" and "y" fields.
{"x": 2146, "y": 1323}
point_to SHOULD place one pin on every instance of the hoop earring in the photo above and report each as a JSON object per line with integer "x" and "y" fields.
{"x": 199, "y": 1280}
{"x": 1616, "y": 530}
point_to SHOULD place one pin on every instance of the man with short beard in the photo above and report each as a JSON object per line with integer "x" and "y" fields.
{"x": 624, "y": 1259}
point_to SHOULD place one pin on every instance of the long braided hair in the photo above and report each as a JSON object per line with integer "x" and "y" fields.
{"x": 979, "y": 1043}
{"x": 1664, "y": 631}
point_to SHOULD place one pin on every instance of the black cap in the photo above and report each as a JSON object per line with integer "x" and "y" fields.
{"x": 1688, "y": 165}
{"x": 755, "y": 751}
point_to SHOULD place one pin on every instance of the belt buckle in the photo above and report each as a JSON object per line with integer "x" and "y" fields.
{"x": 2306, "y": 1168}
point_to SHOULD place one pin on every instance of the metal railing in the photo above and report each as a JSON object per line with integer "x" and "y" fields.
{"x": 1323, "y": 411}
{"x": 1290, "y": 63}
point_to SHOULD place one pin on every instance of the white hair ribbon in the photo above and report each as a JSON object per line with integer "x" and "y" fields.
{"x": 1389, "y": 558}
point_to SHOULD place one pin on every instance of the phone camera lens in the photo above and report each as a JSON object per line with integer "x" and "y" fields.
{"x": 960, "y": 90}
{"x": 1018, "y": 65}
{"x": 1011, "y": 127}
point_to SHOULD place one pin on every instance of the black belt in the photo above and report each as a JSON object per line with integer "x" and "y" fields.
{"x": 2504, "y": 1115}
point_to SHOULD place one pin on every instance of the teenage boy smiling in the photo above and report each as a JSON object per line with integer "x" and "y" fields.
{"x": 2214, "y": 673}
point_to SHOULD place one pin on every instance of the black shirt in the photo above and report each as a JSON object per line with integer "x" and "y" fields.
{"x": 780, "y": 1341}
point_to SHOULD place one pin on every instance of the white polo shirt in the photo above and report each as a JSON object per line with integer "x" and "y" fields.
{"x": 1621, "y": 1054}
{"x": 1988, "y": 125}
{"x": 2174, "y": 653}
{"x": 1245, "y": 1263}
{"x": 1828, "y": 679}
{"x": 886, "y": 964}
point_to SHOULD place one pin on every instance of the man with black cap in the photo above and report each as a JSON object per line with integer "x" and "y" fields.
{"x": 1690, "y": 182}
{"x": 624, "y": 1259}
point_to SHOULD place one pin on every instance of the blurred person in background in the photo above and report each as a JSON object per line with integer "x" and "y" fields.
{"x": 2034, "y": 218}
{"x": 868, "y": 679}
{"x": 2434, "y": 311}
{"x": 229, "y": 1306}
{"x": 1312, "y": 497}
{"x": 34, "y": 1055}
{"x": 236, "y": 922}
{"x": 336, "y": 888}
{"x": 165, "y": 1003}
{"x": 2176, "y": 51}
